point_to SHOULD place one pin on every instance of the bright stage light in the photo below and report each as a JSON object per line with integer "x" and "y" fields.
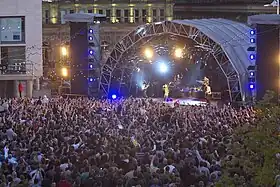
{"x": 91, "y": 52}
{"x": 252, "y": 86}
{"x": 114, "y": 96}
{"x": 178, "y": 53}
{"x": 163, "y": 67}
{"x": 149, "y": 53}
{"x": 253, "y": 32}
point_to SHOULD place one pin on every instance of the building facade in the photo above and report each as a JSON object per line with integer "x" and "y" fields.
{"x": 122, "y": 17}
{"x": 116, "y": 11}
{"x": 20, "y": 46}
{"x": 229, "y": 9}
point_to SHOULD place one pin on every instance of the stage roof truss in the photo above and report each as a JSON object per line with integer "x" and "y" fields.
{"x": 184, "y": 28}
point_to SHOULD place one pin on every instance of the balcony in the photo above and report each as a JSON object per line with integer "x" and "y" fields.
{"x": 16, "y": 72}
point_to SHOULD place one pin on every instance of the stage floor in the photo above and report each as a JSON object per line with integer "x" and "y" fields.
{"x": 186, "y": 101}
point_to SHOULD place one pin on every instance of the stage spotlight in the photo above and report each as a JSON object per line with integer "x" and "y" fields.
{"x": 90, "y": 31}
{"x": 252, "y": 40}
{"x": 178, "y": 53}
{"x": 90, "y": 79}
{"x": 163, "y": 68}
{"x": 252, "y": 86}
{"x": 114, "y": 96}
{"x": 90, "y": 66}
{"x": 149, "y": 53}
{"x": 252, "y": 74}
{"x": 252, "y": 57}
{"x": 253, "y": 32}
{"x": 90, "y": 38}
{"x": 91, "y": 52}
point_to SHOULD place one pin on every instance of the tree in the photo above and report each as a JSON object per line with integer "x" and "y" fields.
{"x": 254, "y": 147}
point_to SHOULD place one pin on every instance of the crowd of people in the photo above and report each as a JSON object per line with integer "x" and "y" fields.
{"x": 64, "y": 142}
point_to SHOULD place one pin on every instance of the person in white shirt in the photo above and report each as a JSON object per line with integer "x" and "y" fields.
{"x": 77, "y": 145}
{"x": 10, "y": 134}
{"x": 45, "y": 100}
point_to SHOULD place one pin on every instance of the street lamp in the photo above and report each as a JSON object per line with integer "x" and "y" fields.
{"x": 63, "y": 51}
{"x": 64, "y": 72}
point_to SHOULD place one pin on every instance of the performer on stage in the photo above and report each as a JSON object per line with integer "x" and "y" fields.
{"x": 207, "y": 89}
{"x": 205, "y": 81}
{"x": 145, "y": 88}
{"x": 166, "y": 91}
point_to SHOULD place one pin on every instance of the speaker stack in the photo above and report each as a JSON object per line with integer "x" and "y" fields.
{"x": 85, "y": 53}
{"x": 266, "y": 29}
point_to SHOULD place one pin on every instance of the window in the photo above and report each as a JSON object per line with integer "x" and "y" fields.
{"x": 14, "y": 59}
{"x": 126, "y": 13}
{"x": 108, "y": 15}
{"x": 154, "y": 13}
{"x": 136, "y": 13}
{"x": 47, "y": 16}
{"x": 72, "y": 11}
{"x": 62, "y": 14}
{"x": 161, "y": 13}
{"x": 89, "y": 11}
{"x": 144, "y": 15}
{"x": 12, "y": 30}
{"x": 100, "y": 11}
{"x": 118, "y": 14}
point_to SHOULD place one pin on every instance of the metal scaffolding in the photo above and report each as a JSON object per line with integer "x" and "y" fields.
{"x": 147, "y": 32}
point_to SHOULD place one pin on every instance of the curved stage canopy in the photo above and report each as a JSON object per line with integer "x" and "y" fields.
{"x": 226, "y": 40}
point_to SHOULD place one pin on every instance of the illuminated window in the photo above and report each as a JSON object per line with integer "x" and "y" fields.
{"x": 12, "y": 30}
